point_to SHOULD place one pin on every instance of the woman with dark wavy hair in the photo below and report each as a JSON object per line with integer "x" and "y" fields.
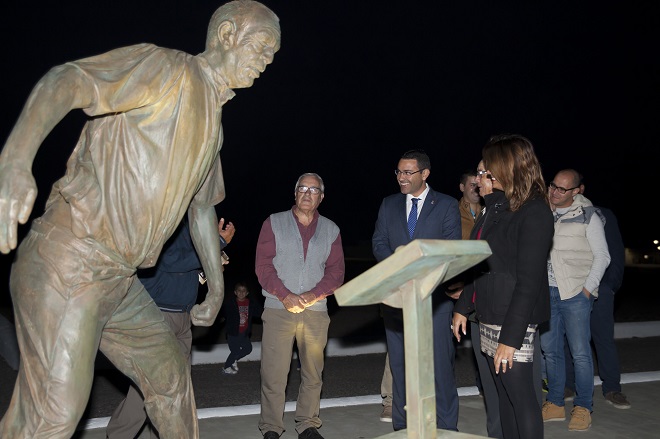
{"x": 509, "y": 290}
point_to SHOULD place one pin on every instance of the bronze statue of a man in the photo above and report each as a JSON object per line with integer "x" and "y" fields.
{"x": 148, "y": 154}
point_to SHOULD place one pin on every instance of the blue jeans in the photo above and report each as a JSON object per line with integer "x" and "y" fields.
{"x": 569, "y": 318}
{"x": 602, "y": 335}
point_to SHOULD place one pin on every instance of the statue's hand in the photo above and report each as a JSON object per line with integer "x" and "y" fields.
{"x": 204, "y": 314}
{"x": 18, "y": 190}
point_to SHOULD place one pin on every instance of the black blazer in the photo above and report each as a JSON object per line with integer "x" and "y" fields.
{"x": 512, "y": 284}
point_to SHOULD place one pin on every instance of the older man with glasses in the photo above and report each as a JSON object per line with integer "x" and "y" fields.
{"x": 299, "y": 262}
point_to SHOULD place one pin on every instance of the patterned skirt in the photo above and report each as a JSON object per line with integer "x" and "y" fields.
{"x": 490, "y": 335}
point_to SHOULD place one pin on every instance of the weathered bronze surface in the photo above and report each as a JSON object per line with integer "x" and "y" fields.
{"x": 147, "y": 156}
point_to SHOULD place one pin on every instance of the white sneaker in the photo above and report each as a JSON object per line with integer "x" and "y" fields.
{"x": 229, "y": 371}
{"x": 235, "y": 366}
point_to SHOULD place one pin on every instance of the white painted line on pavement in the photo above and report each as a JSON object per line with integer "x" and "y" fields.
{"x": 254, "y": 409}
{"x": 213, "y": 354}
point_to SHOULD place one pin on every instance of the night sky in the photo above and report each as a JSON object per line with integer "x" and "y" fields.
{"x": 357, "y": 83}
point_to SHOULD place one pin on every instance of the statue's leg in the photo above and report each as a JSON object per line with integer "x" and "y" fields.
{"x": 63, "y": 291}
{"x": 141, "y": 345}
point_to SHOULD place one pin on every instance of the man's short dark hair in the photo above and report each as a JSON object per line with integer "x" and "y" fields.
{"x": 468, "y": 173}
{"x": 423, "y": 160}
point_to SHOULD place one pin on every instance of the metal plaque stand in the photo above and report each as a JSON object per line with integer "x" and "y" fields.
{"x": 406, "y": 280}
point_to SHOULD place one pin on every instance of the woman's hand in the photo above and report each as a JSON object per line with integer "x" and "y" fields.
{"x": 459, "y": 325}
{"x": 503, "y": 358}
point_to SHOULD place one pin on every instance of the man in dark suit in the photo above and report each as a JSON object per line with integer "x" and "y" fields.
{"x": 419, "y": 212}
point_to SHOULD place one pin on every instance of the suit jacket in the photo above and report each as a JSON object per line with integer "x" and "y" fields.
{"x": 439, "y": 218}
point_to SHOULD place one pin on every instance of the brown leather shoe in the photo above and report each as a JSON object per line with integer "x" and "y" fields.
{"x": 552, "y": 412}
{"x": 580, "y": 419}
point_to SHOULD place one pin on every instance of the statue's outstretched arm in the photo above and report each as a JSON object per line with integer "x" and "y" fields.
{"x": 61, "y": 90}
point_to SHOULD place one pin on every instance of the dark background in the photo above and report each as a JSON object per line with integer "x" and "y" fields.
{"x": 357, "y": 83}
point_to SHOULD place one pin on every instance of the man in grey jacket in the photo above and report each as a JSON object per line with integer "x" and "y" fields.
{"x": 578, "y": 259}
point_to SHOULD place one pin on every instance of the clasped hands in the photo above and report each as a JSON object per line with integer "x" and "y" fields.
{"x": 297, "y": 303}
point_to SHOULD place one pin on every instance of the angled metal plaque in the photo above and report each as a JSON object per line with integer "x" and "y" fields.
{"x": 406, "y": 280}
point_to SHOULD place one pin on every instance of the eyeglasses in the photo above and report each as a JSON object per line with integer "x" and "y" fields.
{"x": 406, "y": 173}
{"x": 561, "y": 190}
{"x": 312, "y": 189}
{"x": 481, "y": 173}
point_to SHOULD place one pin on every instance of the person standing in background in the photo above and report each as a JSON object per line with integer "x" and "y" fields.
{"x": 419, "y": 212}
{"x": 299, "y": 262}
{"x": 386, "y": 391}
{"x": 470, "y": 204}
{"x": 602, "y": 318}
{"x": 173, "y": 284}
{"x": 471, "y": 208}
{"x": 577, "y": 262}
{"x": 238, "y": 311}
{"x": 485, "y": 382}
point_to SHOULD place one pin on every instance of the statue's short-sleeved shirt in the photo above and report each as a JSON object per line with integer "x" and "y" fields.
{"x": 150, "y": 148}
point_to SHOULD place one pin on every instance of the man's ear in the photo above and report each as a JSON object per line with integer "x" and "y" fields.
{"x": 227, "y": 34}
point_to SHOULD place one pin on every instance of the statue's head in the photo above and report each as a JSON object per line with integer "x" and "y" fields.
{"x": 242, "y": 39}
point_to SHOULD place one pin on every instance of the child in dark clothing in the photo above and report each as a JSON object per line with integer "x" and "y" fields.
{"x": 238, "y": 311}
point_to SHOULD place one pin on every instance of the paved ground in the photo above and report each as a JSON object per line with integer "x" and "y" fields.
{"x": 359, "y": 377}
{"x": 351, "y": 376}
{"x": 360, "y": 421}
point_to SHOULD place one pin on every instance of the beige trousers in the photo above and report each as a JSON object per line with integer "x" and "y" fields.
{"x": 309, "y": 329}
{"x": 386, "y": 383}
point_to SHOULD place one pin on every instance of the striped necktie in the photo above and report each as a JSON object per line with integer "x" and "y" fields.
{"x": 412, "y": 218}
